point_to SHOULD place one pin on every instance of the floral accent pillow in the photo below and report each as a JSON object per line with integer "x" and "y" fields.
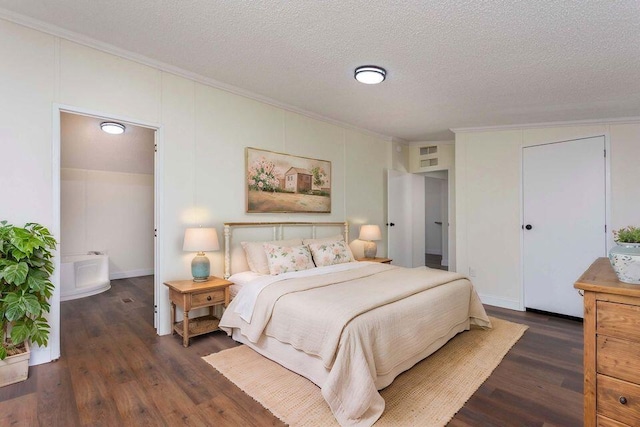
{"x": 284, "y": 259}
{"x": 331, "y": 253}
{"x": 257, "y": 259}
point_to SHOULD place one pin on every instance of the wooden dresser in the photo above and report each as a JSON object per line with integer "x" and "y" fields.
{"x": 611, "y": 348}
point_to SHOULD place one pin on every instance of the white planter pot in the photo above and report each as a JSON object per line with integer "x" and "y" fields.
{"x": 625, "y": 260}
{"x": 15, "y": 368}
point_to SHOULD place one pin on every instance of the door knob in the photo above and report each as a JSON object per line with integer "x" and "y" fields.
{"x": 390, "y": 224}
{"x": 528, "y": 226}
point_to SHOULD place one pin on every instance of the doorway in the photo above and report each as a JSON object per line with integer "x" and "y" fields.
{"x": 436, "y": 215}
{"x": 122, "y": 269}
{"x": 407, "y": 206}
{"x": 564, "y": 228}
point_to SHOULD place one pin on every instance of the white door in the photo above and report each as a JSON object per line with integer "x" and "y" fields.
{"x": 564, "y": 220}
{"x": 399, "y": 217}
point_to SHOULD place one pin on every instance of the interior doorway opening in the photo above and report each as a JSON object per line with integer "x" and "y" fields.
{"x": 106, "y": 199}
{"x": 414, "y": 232}
{"x": 436, "y": 216}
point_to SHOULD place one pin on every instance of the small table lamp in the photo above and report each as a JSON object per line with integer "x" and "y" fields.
{"x": 370, "y": 233}
{"x": 200, "y": 240}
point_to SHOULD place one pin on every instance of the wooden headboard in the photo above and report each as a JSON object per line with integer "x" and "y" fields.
{"x": 259, "y": 231}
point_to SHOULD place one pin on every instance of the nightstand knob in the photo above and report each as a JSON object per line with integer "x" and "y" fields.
{"x": 623, "y": 400}
{"x": 209, "y": 298}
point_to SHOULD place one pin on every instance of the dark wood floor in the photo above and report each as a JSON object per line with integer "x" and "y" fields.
{"x": 114, "y": 370}
{"x": 434, "y": 261}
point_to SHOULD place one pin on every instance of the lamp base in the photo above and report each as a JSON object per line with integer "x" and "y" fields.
{"x": 200, "y": 268}
{"x": 370, "y": 249}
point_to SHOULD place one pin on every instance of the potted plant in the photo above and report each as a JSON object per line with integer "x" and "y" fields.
{"x": 25, "y": 288}
{"x": 625, "y": 256}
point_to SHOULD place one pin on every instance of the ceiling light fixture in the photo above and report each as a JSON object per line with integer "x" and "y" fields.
{"x": 112, "y": 127}
{"x": 370, "y": 74}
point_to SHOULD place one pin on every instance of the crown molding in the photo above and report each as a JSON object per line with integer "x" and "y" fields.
{"x": 72, "y": 36}
{"x": 621, "y": 120}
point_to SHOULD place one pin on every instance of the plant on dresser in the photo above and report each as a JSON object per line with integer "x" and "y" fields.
{"x": 25, "y": 288}
{"x": 625, "y": 256}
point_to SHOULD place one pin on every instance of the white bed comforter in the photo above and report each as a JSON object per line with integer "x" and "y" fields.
{"x": 362, "y": 323}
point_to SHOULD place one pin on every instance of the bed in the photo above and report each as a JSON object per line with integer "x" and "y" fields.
{"x": 350, "y": 327}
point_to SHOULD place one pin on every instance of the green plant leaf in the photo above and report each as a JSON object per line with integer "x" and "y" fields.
{"x": 24, "y": 240}
{"x": 40, "y": 331}
{"x": 37, "y": 280}
{"x": 31, "y": 305}
{"x": 3, "y": 352}
{"x": 19, "y": 333}
{"x": 14, "y": 308}
{"x": 16, "y": 273}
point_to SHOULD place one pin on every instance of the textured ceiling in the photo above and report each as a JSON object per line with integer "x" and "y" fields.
{"x": 456, "y": 63}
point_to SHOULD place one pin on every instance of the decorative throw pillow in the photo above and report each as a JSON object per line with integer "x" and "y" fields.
{"x": 284, "y": 259}
{"x": 330, "y": 253}
{"x": 257, "y": 258}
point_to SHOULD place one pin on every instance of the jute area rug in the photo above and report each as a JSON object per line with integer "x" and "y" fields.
{"x": 429, "y": 394}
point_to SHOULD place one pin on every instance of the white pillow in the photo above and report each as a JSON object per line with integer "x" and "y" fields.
{"x": 244, "y": 277}
{"x": 257, "y": 258}
{"x": 336, "y": 238}
{"x": 330, "y": 253}
{"x": 284, "y": 259}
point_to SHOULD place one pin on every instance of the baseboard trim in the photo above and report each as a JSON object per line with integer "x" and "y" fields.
{"x": 501, "y": 302}
{"x": 131, "y": 273}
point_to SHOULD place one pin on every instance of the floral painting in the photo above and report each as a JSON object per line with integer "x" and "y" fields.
{"x": 278, "y": 182}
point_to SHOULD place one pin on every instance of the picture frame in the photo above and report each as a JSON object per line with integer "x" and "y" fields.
{"x": 284, "y": 183}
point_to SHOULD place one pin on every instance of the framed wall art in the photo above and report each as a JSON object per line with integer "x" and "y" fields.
{"x": 277, "y": 182}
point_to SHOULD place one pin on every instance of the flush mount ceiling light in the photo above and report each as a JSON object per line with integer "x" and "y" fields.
{"x": 112, "y": 127}
{"x": 370, "y": 74}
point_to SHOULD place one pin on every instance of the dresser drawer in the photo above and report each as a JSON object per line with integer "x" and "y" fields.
{"x": 618, "y": 358}
{"x": 618, "y": 400}
{"x": 204, "y": 299}
{"x": 618, "y": 320}
{"x": 608, "y": 422}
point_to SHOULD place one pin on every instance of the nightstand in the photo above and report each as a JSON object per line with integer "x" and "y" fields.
{"x": 380, "y": 260}
{"x": 189, "y": 295}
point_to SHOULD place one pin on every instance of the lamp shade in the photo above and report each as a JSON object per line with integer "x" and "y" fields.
{"x": 370, "y": 232}
{"x": 200, "y": 240}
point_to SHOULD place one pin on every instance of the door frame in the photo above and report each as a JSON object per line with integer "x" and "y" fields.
{"x": 451, "y": 213}
{"x": 451, "y": 234}
{"x": 607, "y": 198}
{"x": 52, "y": 351}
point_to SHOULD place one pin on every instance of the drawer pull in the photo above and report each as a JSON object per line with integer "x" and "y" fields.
{"x": 209, "y": 299}
{"x": 623, "y": 400}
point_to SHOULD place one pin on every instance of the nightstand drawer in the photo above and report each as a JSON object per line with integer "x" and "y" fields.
{"x": 618, "y": 358}
{"x": 204, "y": 299}
{"x": 619, "y": 320}
{"x": 618, "y": 400}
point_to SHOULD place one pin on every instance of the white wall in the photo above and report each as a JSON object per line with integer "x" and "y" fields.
{"x": 203, "y": 132}
{"x": 489, "y": 191}
{"x": 110, "y": 212}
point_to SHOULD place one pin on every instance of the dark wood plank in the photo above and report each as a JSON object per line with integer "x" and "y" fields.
{"x": 115, "y": 370}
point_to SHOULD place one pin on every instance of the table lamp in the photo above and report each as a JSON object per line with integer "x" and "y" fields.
{"x": 370, "y": 233}
{"x": 200, "y": 240}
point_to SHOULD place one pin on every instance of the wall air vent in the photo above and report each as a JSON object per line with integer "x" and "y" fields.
{"x": 428, "y": 162}
{"x": 428, "y": 150}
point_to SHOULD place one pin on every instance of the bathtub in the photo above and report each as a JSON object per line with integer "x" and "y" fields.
{"x": 83, "y": 275}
